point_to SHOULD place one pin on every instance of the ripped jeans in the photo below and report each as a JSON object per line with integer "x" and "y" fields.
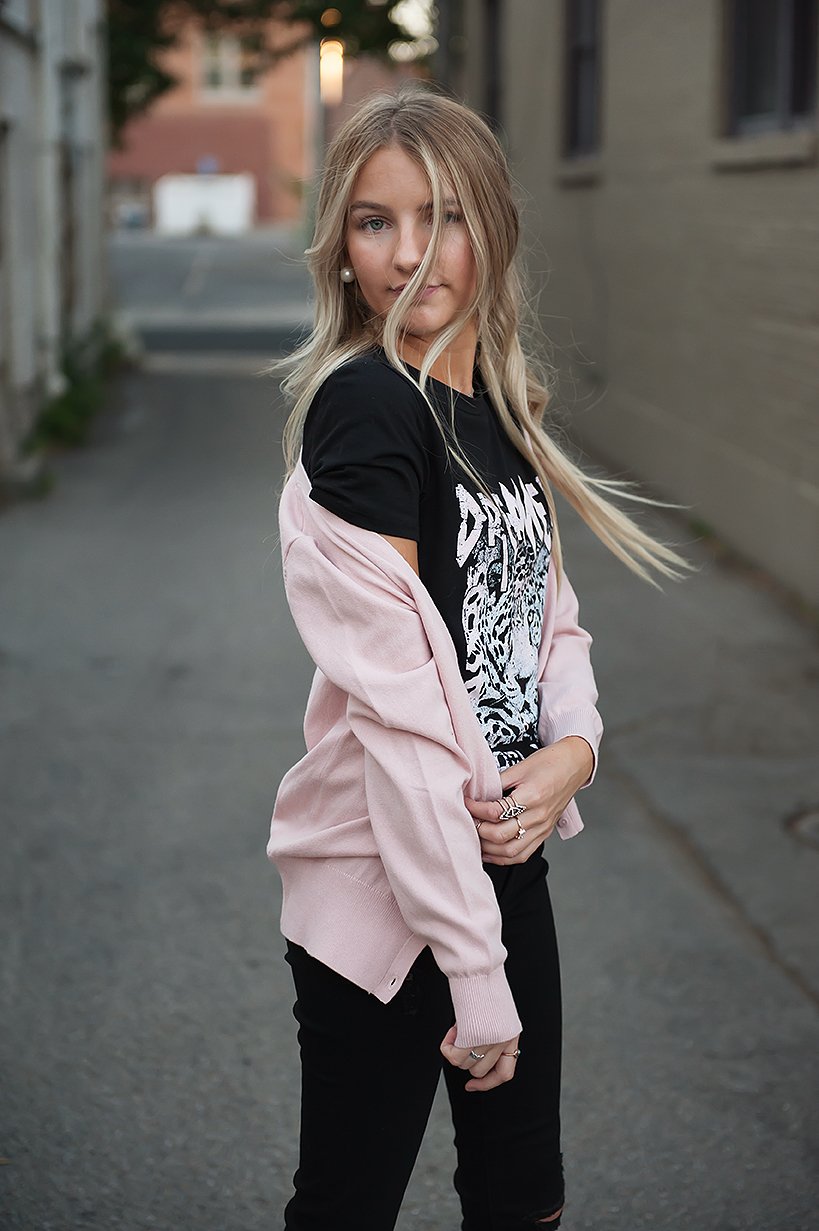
{"x": 370, "y": 1071}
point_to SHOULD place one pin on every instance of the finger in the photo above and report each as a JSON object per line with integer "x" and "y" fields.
{"x": 494, "y": 843}
{"x": 505, "y": 841}
{"x": 455, "y": 1055}
{"x": 513, "y": 854}
{"x": 484, "y": 809}
{"x": 502, "y": 1072}
{"x": 512, "y": 778}
{"x": 448, "y": 1049}
{"x": 460, "y": 1057}
{"x": 449, "y": 1037}
{"x": 511, "y": 845}
{"x": 502, "y": 832}
{"x": 480, "y": 1068}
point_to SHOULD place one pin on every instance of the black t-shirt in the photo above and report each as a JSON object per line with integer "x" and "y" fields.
{"x": 376, "y": 458}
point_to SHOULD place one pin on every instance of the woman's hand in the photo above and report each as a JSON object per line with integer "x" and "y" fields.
{"x": 545, "y": 782}
{"x": 496, "y": 1064}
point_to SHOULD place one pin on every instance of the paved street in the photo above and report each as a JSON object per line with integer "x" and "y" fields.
{"x": 151, "y": 694}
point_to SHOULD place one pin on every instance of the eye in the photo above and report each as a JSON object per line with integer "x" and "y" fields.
{"x": 450, "y": 217}
{"x": 365, "y": 225}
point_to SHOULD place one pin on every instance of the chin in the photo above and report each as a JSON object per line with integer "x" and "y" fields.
{"x": 424, "y": 333}
{"x": 429, "y": 322}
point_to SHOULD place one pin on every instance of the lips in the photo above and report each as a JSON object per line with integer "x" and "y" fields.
{"x": 432, "y": 286}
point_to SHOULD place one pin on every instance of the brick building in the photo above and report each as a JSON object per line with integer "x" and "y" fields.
{"x": 227, "y": 118}
{"x": 224, "y": 117}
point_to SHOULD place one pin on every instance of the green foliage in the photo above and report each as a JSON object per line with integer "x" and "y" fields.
{"x": 139, "y": 31}
{"x": 364, "y": 29}
{"x": 65, "y": 421}
{"x": 136, "y": 37}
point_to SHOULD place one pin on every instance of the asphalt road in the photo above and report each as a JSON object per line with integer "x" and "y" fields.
{"x": 151, "y": 694}
{"x": 200, "y": 294}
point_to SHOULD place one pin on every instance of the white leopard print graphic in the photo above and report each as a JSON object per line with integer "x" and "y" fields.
{"x": 506, "y": 545}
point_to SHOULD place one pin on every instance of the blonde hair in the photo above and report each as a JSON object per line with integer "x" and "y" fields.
{"x": 459, "y": 154}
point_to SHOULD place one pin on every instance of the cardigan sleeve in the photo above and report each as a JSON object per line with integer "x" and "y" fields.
{"x": 567, "y": 691}
{"x": 365, "y": 633}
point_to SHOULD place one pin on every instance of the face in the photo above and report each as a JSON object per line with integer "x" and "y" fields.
{"x": 389, "y": 226}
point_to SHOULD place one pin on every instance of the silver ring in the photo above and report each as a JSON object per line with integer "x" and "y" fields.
{"x": 478, "y": 825}
{"x": 476, "y": 1055}
{"x": 520, "y": 833}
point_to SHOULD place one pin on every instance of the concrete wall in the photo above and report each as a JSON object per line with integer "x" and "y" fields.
{"x": 681, "y": 270}
{"x": 18, "y": 232}
{"x": 52, "y": 140}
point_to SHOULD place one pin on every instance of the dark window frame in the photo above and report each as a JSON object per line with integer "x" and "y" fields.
{"x": 790, "y": 20}
{"x": 582, "y": 93}
{"x": 493, "y": 67}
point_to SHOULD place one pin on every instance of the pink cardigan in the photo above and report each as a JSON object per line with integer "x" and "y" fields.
{"x": 377, "y": 853}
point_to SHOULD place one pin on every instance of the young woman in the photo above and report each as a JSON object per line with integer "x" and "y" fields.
{"x": 452, "y": 716}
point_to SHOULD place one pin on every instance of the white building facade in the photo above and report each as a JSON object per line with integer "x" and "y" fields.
{"x": 52, "y": 255}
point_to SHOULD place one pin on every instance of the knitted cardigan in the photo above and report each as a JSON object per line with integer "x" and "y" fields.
{"x": 377, "y": 852}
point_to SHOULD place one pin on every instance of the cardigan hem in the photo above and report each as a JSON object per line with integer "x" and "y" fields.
{"x": 366, "y": 932}
{"x": 362, "y": 935}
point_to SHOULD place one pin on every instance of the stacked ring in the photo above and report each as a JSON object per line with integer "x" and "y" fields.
{"x": 512, "y": 809}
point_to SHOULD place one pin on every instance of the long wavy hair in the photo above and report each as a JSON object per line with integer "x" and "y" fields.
{"x": 460, "y": 156}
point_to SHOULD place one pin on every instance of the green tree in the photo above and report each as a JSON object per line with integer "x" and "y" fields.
{"x": 139, "y": 31}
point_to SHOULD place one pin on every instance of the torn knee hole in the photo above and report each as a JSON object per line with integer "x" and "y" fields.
{"x": 549, "y": 1217}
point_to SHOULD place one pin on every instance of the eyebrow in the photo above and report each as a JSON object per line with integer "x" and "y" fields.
{"x": 385, "y": 209}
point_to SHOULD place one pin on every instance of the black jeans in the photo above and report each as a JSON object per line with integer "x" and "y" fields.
{"x": 370, "y": 1071}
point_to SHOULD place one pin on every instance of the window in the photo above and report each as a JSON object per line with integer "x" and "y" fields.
{"x": 582, "y": 111}
{"x": 773, "y": 86}
{"x": 230, "y": 64}
{"x": 492, "y": 61}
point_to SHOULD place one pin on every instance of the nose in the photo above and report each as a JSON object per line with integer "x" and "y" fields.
{"x": 410, "y": 246}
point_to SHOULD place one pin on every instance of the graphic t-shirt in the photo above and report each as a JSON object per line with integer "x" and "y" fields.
{"x": 376, "y": 458}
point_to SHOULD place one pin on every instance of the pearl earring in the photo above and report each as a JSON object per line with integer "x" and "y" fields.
{"x": 347, "y": 274}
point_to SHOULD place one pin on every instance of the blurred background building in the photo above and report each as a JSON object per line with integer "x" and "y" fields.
{"x": 52, "y": 141}
{"x": 235, "y": 144}
{"x": 667, "y": 160}
{"x": 668, "y": 154}
{"x": 173, "y": 118}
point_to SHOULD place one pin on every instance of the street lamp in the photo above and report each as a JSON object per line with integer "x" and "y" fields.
{"x": 331, "y": 71}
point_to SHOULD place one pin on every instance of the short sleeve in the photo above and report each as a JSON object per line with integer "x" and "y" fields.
{"x": 363, "y": 448}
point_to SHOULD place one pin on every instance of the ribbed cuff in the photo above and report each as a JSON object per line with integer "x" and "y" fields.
{"x": 584, "y": 722}
{"x": 484, "y": 1009}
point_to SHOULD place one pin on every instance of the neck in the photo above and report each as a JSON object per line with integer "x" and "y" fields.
{"x": 454, "y": 367}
